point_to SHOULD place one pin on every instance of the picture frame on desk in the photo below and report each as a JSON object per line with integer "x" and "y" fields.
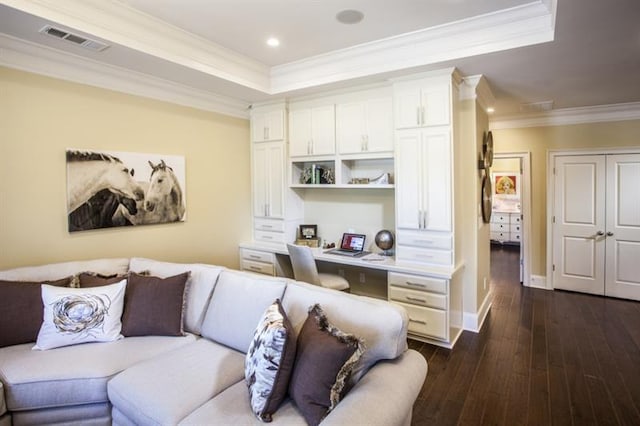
{"x": 309, "y": 242}
{"x": 308, "y": 232}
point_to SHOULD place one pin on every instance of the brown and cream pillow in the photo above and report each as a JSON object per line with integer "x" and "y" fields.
{"x": 154, "y": 306}
{"x": 325, "y": 359}
{"x": 21, "y": 310}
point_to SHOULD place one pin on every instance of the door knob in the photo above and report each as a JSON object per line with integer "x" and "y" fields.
{"x": 600, "y": 233}
{"x": 609, "y": 234}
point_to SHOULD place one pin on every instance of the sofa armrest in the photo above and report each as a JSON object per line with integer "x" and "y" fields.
{"x": 385, "y": 395}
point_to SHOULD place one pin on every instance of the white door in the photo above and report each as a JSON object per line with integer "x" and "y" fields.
{"x": 409, "y": 179}
{"x": 623, "y": 226}
{"x": 350, "y": 127}
{"x": 379, "y": 125}
{"x": 436, "y": 179}
{"x": 579, "y": 228}
{"x": 260, "y": 179}
{"x": 323, "y": 130}
{"x": 276, "y": 183}
{"x": 300, "y": 132}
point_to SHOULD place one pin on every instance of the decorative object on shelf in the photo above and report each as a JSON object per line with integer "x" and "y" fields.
{"x": 308, "y": 232}
{"x": 329, "y": 245}
{"x": 384, "y": 240}
{"x": 359, "y": 181}
{"x": 486, "y": 195}
{"x": 315, "y": 175}
{"x": 383, "y": 179}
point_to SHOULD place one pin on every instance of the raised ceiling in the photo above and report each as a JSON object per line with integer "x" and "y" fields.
{"x": 576, "y": 53}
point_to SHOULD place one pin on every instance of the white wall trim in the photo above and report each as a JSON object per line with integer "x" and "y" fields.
{"x": 473, "y": 321}
{"x": 569, "y": 116}
{"x": 524, "y": 25}
{"x": 476, "y": 87}
{"x": 31, "y": 57}
{"x": 539, "y": 281}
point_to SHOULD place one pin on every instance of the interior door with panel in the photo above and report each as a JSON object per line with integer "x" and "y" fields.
{"x": 623, "y": 226}
{"x": 268, "y": 181}
{"x": 579, "y": 229}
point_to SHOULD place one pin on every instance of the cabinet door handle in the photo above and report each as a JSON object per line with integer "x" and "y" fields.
{"x": 265, "y": 133}
{"x": 600, "y": 233}
{"x": 609, "y": 234}
{"x": 366, "y": 142}
{"x": 415, "y": 299}
{"x": 422, "y": 115}
{"x": 417, "y": 321}
{"x": 418, "y": 115}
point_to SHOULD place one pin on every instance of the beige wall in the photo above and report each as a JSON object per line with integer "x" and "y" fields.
{"x": 40, "y": 117}
{"x": 539, "y": 141}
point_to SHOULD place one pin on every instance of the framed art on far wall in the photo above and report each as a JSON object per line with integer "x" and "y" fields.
{"x": 308, "y": 232}
{"x": 506, "y": 184}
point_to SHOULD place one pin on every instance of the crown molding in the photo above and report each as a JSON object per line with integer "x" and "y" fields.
{"x": 569, "y": 116}
{"x": 119, "y": 23}
{"x": 477, "y": 87}
{"x": 31, "y": 57}
{"x": 510, "y": 28}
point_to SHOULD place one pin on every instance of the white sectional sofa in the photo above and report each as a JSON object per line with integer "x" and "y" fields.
{"x": 199, "y": 378}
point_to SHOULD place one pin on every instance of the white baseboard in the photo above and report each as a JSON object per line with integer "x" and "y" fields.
{"x": 538, "y": 281}
{"x": 473, "y": 321}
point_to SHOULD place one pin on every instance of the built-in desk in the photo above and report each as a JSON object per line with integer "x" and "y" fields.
{"x": 432, "y": 296}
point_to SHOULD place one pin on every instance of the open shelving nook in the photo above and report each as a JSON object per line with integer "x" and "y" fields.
{"x": 345, "y": 170}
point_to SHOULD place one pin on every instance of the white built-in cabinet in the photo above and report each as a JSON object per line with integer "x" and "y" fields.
{"x": 365, "y": 126}
{"x": 276, "y": 209}
{"x": 424, "y": 171}
{"x": 267, "y": 125}
{"x": 312, "y": 131}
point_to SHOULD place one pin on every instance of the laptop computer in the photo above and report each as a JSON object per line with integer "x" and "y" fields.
{"x": 351, "y": 245}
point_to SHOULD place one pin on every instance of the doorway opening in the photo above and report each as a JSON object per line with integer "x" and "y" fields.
{"x": 510, "y": 217}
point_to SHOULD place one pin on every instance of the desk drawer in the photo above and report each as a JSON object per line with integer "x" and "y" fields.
{"x": 268, "y": 237}
{"x": 414, "y": 254}
{"x": 257, "y": 256}
{"x": 273, "y": 225}
{"x": 258, "y": 267}
{"x": 417, "y": 282}
{"x": 424, "y": 239}
{"x": 423, "y": 298}
{"x": 427, "y": 321}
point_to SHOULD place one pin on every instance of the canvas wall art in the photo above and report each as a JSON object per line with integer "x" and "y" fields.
{"x": 108, "y": 189}
{"x": 506, "y": 185}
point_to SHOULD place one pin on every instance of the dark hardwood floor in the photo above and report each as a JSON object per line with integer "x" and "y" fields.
{"x": 542, "y": 357}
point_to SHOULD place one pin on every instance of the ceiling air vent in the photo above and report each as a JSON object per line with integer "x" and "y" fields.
{"x": 76, "y": 39}
{"x": 537, "y": 106}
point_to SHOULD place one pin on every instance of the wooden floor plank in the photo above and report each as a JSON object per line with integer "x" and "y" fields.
{"x": 542, "y": 357}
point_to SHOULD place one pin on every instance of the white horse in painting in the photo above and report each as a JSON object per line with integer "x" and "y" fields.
{"x": 163, "y": 201}
{"x": 90, "y": 172}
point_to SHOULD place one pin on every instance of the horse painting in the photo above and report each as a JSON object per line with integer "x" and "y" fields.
{"x": 90, "y": 172}
{"x": 163, "y": 200}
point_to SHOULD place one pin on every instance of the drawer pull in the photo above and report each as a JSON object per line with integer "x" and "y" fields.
{"x": 418, "y": 321}
{"x": 255, "y": 268}
{"x": 253, "y": 256}
{"x": 415, "y": 299}
{"x": 415, "y": 284}
{"x": 423, "y": 241}
{"x": 266, "y": 226}
{"x": 267, "y": 237}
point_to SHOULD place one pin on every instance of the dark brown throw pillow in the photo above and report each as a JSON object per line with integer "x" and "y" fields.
{"x": 325, "y": 359}
{"x": 92, "y": 279}
{"x": 154, "y": 306}
{"x": 21, "y": 310}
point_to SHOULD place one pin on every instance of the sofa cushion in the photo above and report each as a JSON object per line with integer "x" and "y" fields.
{"x": 237, "y": 303}
{"x": 21, "y": 310}
{"x": 165, "y": 389}
{"x": 3, "y": 405}
{"x": 73, "y": 375}
{"x": 382, "y": 325}
{"x": 200, "y": 285}
{"x": 54, "y": 271}
{"x": 269, "y": 361}
{"x": 232, "y": 407}
{"x": 325, "y": 359}
{"x": 80, "y": 315}
{"x": 154, "y": 306}
{"x": 95, "y": 279}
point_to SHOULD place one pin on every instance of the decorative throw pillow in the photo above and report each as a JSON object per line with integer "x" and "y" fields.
{"x": 154, "y": 306}
{"x": 92, "y": 279}
{"x": 269, "y": 362}
{"x": 80, "y": 315}
{"x": 325, "y": 359}
{"x": 21, "y": 310}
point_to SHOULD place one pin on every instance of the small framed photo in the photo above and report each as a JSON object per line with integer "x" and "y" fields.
{"x": 308, "y": 232}
{"x": 506, "y": 185}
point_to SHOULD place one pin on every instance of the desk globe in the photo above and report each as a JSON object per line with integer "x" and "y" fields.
{"x": 384, "y": 240}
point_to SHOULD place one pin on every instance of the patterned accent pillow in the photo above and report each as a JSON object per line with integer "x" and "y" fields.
{"x": 80, "y": 315}
{"x": 325, "y": 358}
{"x": 269, "y": 362}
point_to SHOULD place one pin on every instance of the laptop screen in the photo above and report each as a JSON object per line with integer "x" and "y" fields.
{"x": 352, "y": 242}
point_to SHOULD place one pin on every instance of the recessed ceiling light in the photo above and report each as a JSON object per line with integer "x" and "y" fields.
{"x": 491, "y": 110}
{"x": 273, "y": 42}
{"x": 350, "y": 16}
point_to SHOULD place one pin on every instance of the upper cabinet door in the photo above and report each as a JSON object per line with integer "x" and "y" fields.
{"x": 409, "y": 180}
{"x": 436, "y": 179}
{"x": 267, "y": 125}
{"x": 365, "y": 126}
{"x": 351, "y": 127}
{"x": 435, "y": 106}
{"x": 379, "y": 123}
{"x": 422, "y": 103}
{"x": 312, "y": 131}
{"x": 408, "y": 106}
